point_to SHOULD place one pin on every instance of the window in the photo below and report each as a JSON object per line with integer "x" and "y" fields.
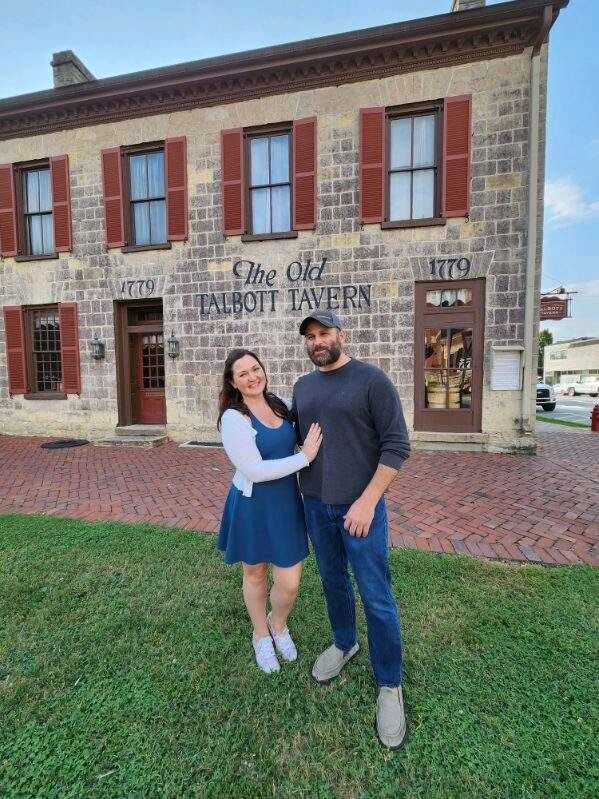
{"x": 145, "y": 194}
{"x": 147, "y": 198}
{"x": 38, "y": 225}
{"x": 270, "y": 183}
{"x": 46, "y": 365}
{"x": 413, "y": 166}
{"x": 36, "y": 209}
{"x": 448, "y": 362}
{"x": 268, "y": 180}
{"x": 415, "y": 163}
{"x": 42, "y": 348}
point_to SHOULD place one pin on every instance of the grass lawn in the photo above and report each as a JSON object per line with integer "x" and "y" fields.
{"x": 126, "y": 671}
{"x": 564, "y": 422}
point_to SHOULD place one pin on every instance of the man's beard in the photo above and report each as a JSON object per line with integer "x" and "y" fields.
{"x": 326, "y": 356}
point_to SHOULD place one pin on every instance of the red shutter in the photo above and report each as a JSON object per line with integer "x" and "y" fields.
{"x": 61, "y": 203}
{"x": 175, "y": 157}
{"x": 233, "y": 189}
{"x": 456, "y": 156}
{"x": 8, "y": 212}
{"x": 372, "y": 165}
{"x": 112, "y": 178}
{"x": 304, "y": 174}
{"x": 69, "y": 347}
{"x": 14, "y": 332}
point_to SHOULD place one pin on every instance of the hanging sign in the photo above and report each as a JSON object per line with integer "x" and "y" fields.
{"x": 553, "y": 307}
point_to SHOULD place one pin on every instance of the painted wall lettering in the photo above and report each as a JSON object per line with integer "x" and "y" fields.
{"x": 138, "y": 288}
{"x": 261, "y": 298}
{"x": 449, "y": 268}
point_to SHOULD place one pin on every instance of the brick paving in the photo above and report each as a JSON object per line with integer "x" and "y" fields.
{"x": 542, "y": 509}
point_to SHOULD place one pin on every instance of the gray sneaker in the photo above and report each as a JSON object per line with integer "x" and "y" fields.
{"x": 330, "y": 663}
{"x": 391, "y": 718}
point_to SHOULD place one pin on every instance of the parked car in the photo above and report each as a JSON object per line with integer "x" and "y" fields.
{"x": 545, "y": 396}
{"x": 586, "y": 385}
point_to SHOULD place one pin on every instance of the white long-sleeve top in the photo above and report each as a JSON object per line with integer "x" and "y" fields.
{"x": 239, "y": 442}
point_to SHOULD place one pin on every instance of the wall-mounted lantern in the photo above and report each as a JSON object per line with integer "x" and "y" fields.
{"x": 173, "y": 346}
{"x": 98, "y": 348}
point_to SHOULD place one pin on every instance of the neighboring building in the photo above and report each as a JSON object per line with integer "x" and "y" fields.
{"x": 571, "y": 360}
{"x": 382, "y": 173}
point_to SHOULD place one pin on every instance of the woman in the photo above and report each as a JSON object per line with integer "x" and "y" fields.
{"x": 263, "y": 520}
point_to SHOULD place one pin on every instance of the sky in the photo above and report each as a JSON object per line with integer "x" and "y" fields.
{"x": 113, "y": 37}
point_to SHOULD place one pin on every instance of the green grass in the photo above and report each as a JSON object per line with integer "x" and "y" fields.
{"x": 126, "y": 671}
{"x": 564, "y": 422}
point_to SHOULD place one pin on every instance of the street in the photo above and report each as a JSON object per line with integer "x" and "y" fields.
{"x": 571, "y": 409}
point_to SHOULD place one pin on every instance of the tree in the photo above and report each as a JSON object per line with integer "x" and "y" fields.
{"x": 545, "y": 337}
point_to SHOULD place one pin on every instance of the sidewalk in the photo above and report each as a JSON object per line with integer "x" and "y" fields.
{"x": 541, "y": 509}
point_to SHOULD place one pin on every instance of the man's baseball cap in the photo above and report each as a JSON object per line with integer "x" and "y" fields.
{"x": 326, "y": 318}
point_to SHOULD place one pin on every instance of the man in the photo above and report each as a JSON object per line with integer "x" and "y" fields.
{"x": 365, "y": 442}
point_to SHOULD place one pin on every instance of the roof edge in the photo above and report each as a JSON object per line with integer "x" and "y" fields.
{"x": 426, "y": 43}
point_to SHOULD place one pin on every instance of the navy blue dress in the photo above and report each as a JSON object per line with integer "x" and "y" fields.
{"x": 269, "y": 526}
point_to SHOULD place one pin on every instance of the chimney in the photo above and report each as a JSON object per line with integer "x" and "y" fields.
{"x": 466, "y": 5}
{"x": 68, "y": 69}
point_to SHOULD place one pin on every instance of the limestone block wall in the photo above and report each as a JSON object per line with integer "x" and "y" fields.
{"x": 389, "y": 261}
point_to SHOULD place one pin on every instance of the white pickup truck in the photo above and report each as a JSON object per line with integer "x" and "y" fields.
{"x": 590, "y": 385}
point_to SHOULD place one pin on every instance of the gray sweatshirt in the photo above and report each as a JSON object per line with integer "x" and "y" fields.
{"x": 359, "y": 411}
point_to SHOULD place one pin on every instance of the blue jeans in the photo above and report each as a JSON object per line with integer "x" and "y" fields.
{"x": 369, "y": 559}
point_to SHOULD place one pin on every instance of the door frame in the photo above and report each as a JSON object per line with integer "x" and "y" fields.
{"x": 122, "y": 332}
{"x": 460, "y": 420}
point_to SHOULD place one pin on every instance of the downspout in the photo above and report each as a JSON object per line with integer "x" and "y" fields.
{"x": 529, "y": 370}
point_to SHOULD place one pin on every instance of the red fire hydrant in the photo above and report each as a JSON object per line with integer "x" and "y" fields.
{"x": 595, "y": 419}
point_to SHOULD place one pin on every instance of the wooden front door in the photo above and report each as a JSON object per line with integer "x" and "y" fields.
{"x": 448, "y": 362}
{"x": 149, "y": 404}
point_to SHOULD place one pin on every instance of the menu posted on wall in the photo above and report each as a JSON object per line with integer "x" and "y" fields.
{"x": 506, "y": 370}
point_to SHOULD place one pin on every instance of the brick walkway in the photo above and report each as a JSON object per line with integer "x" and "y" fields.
{"x": 542, "y": 509}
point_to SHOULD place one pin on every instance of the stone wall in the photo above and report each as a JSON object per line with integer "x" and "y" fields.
{"x": 493, "y": 238}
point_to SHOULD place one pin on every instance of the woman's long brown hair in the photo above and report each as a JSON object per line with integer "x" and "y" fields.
{"x": 230, "y": 397}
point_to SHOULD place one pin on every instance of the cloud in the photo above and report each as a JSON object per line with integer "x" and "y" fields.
{"x": 565, "y": 203}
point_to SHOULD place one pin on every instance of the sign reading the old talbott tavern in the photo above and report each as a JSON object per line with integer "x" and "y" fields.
{"x": 263, "y": 298}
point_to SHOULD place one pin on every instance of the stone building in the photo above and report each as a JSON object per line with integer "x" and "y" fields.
{"x": 183, "y": 211}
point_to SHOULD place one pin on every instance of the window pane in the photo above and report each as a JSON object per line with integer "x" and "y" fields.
{"x": 448, "y": 298}
{"x": 279, "y": 159}
{"x": 435, "y": 384}
{"x": 464, "y": 297}
{"x": 32, "y": 192}
{"x": 401, "y": 143}
{"x": 433, "y": 299}
{"x": 436, "y": 346}
{"x": 399, "y": 196}
{"x": 141, "y": 221}
{"x": 460, "y": 388}
{"x": 261, "y": 211}
{"x": 139, "y": 180}
{"x": 424, "y": 140}
{"x": 259, "y": 161}
{"x": 158, "y": 221}
{"x": 460, "y": 355}
{"x": 47, "y": 234}
{"x": 45, "y": 191}
{"x": 36, "y": 245}
{"x": 46, "y": 350}
{"x": 155, "y": 174}
{"x": 424, "y": 194}
{"x": 281, "y": 209}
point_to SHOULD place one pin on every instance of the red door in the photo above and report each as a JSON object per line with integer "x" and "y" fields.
{"x": 149, "y": 378}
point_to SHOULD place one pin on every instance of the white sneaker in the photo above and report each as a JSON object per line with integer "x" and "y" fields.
{"x": 283, "y": 642}
{"x": 265, "y": 654}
